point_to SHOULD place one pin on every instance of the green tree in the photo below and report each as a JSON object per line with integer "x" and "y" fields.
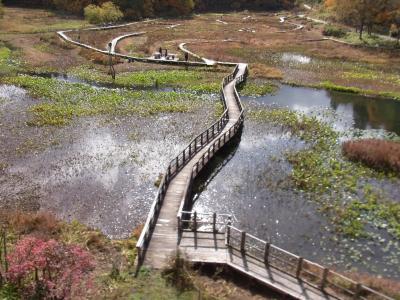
{"x": 108, "y": 12}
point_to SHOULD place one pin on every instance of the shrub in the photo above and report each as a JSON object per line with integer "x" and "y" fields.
{"x": 106, "y": 13}
{"x": 48, "y": 269}
{"x": 378, "y": 154}
{"x": 330, "y": 30}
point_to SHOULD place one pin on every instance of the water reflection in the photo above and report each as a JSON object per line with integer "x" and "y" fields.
{"x": 355, "y": 111}
{"x": 295, "y": 58}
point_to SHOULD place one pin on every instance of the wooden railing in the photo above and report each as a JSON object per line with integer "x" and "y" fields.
{"x": 302, "y": 269}
{"x": 180, "y": 161}
{"x": 185, "y": 216}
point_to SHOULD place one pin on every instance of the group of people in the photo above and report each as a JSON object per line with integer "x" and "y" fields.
{"x": 164, "y": 53}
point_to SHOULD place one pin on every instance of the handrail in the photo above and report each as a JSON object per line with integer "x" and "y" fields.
{"x": 300, "y": 268}
{"x": 178, "y": 163}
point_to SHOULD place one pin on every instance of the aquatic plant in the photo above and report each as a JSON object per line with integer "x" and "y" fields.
{"x": 332, "y": 181}
{"x": 64, "y": 100}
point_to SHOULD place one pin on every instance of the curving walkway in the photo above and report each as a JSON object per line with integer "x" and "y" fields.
{"x": 210, "y": 238}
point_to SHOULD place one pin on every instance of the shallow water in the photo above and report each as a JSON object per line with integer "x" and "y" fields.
{"x": 295, "y": 58}
{"x": 355, "y": 111}
{"x": 254, "y": 183}
{"x": 99, "y": 170}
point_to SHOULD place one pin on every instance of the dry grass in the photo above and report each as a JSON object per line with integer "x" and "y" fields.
{"x": 263, "y": 71}
{"x": 137, "y": 231}
{"x": 41, "y": 224}
{"x": 384, "y": 285}
{"x": 377, "y": 154}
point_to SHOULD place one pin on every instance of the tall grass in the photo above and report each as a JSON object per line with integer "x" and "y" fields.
{"x": 375, "y": 153}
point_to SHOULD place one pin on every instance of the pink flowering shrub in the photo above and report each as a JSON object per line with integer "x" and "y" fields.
{"x": 49, "y": 269}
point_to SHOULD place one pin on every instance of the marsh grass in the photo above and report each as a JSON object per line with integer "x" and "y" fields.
{"x": 9, "y": 59}
{"x": 64, "y": 101}
{"x": 382, "y": 155}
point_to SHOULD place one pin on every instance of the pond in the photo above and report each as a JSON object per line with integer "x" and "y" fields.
{"x": 251, "y": 181}
{"x": 355, "y": 111}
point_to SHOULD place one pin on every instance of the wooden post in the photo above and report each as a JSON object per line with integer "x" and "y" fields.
{"x": 195, "y": 221}
{"x": 358, "y": 291}
{"x": 190, "y": 150}
{"x": 179, "y": 228}
{"x": 214, "y": 222}
{"x": 208, "y": 138}
{"x": 266, "y": 253}
{"x": 195, "y": 145}
{"x": 213, "y": 130}
{"x": 228, "y": 235}
{"x": 299, "y": 267}
{"x": 324, "y": 278}
{"x": 177, "y": 164}
{"x": 202, "y": 139}
{"x": 243, "y": 242}
{"x": 184, "y": 156}
{"x": 169, "y": 171}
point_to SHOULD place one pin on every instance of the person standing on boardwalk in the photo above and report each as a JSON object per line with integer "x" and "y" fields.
{"x": 186, "y": 56}
{"x": 160, "y": 51}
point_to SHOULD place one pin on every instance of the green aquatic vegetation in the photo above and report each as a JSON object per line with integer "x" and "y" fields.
{"x": 254, "y": 89}
{"x": 64, "y": 101}
{"x": 334, "y": 87}
{"x": 8, "y": 60}
{"x": 383, "y": 214}
{"x": 208, "y": 81}
{"x": 367, "y": 74}
{"x": 332, "y": 181}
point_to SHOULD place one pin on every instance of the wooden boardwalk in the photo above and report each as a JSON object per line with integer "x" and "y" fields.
{"x": 171, "y": 226}
{"x": 164, "y": 239}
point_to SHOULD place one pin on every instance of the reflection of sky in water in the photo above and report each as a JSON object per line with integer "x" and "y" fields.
{"x": 251, "y": 181}
{"x": 296, "y": 58}
{"x": 352, "y": 110}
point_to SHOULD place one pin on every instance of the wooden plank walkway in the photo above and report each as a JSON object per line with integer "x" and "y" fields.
{"x": 206, "y": 247}
{"x": 164, "y": 240}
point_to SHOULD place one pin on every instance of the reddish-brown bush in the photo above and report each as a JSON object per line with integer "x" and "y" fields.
{"x": 49, "y": 270}
{"x": 375, "y": 153}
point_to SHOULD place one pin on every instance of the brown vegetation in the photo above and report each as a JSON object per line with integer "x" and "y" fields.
{"x": 378, "y": 154}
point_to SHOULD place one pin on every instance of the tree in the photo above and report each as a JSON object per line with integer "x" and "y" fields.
{"x": 108, "y": 12}
{"x": 359, "y": 13}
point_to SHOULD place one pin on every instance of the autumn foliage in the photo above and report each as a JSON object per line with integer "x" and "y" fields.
{"x": 378, "y": 154}
{"x": 49, "y": 269}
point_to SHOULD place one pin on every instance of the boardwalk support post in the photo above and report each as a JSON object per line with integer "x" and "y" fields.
{"x": 214, "y": 222}
{"x": 228, "y": 235}
{"x": 243, "y": 242}
{"x": 358, "y": 291}
{"x": 324, "y": 278}
{"x": 179, "y": 228}
{"x": 299, "y": 267}
{"x": 266, "y": 253}
{"x": 195, "y": 221}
